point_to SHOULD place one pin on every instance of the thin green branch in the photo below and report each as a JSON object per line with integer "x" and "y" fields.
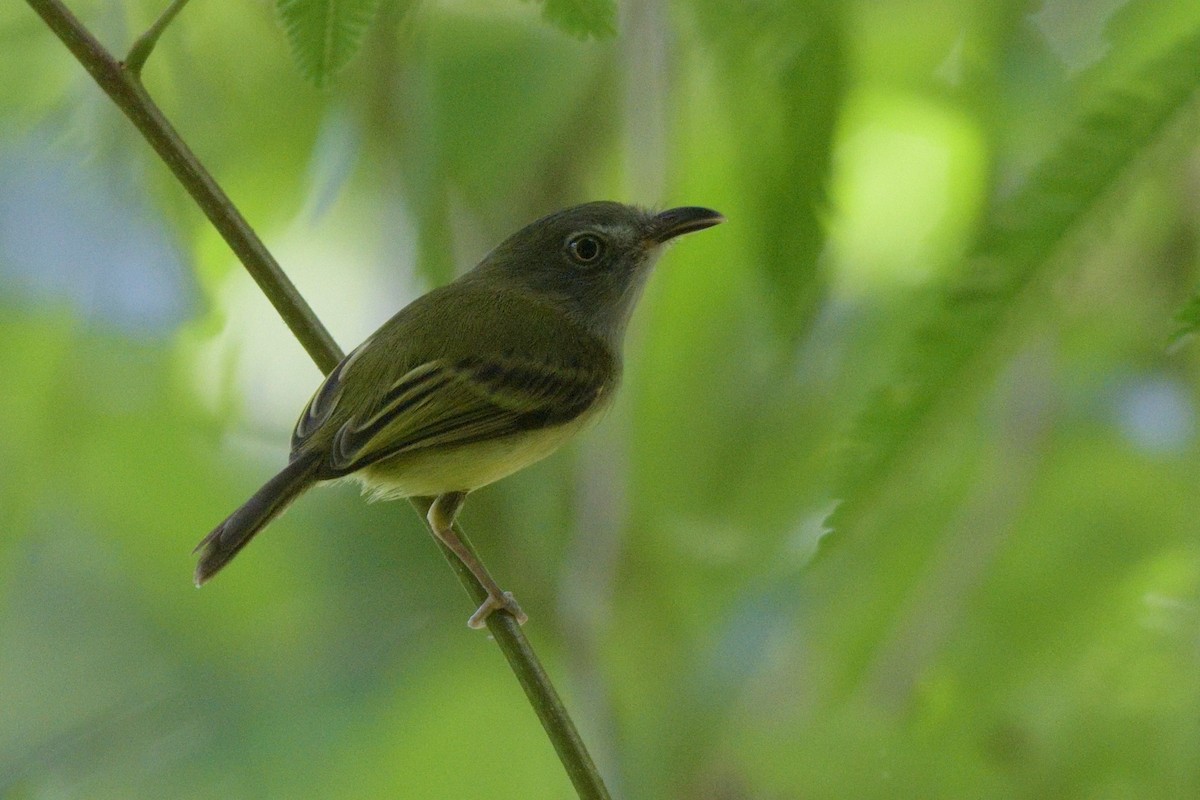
{"x": 145, "y": 44}
{"x": 533, "y": 678}
{"x": 122, "y": 84}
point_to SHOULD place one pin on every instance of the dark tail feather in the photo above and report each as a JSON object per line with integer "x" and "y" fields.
{"x": 267, "y": 503}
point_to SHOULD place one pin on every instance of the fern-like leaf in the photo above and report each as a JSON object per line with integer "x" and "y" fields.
{"x": 1015, "y": 248}
{"x": 325, "y": 34}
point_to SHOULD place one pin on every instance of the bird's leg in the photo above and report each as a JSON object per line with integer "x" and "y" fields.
{"x": 441, "y": 521}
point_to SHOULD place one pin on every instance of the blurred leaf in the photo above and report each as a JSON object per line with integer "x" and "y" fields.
{"x": 1014, "y": 249}
{"x": 325, "y": 34}
{"x": 583, "y": 18}
{"x": 1188, "y": 320}
{"x": 812, "y": 88}
{"x": 786, "y": 77}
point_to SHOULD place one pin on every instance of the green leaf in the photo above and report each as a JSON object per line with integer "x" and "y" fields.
{"x": 786, "y": 78}
{"x": 1188, "y": 321}
{"x": 583, "y": 18}
{"x": 811, "y": 82}
{"x": 1015, "y": 249}
{"x": 325, "y": 34}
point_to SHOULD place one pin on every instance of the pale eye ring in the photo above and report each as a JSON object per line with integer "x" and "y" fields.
{"x": 585, "y": 248}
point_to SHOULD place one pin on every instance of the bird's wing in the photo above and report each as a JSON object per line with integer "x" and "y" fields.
{"x": 486, "y": 376}
{"x": 324, "y": 402}
{"x": 446, "y": 403}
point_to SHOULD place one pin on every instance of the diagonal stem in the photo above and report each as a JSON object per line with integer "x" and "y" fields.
{"x": 124, "y": 87}
{"x": 526, "y": 665}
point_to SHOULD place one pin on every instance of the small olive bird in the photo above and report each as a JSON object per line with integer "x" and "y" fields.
{"x": 476, "y": 379}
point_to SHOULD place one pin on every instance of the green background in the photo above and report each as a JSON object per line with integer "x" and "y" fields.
{"x": 960, "y": 235}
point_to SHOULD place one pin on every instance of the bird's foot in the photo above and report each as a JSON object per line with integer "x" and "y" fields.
{"x": 504, "y": 602}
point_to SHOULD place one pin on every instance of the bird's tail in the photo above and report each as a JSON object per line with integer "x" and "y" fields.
{"x": 231, "y": 536}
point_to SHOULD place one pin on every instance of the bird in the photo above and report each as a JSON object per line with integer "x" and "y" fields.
{"x": 476, "y": 379}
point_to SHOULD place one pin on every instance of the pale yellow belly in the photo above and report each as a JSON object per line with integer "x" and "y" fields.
{"x": 463, "y": 469}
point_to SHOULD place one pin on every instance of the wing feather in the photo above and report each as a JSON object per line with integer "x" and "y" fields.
{"x": 443, "y": 404}
{"x": 321, "y": 407}
{"x": 404, "y": 389}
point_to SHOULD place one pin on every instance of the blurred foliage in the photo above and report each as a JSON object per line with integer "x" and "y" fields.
{"x": 582, "y": 18}
{"x": 1015, "y": 245}
{"x": 325, "y": 34}
{"x": 960, "y": 238}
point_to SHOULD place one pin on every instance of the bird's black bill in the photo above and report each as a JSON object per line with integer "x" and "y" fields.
{"x": 679, "y": 221}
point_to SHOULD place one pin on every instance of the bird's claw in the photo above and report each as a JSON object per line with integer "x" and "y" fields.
{"x": 506, "y": 602}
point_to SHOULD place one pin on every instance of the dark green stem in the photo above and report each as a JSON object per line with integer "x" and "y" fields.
{"x": 529, "y": 671}
{"x": 122, "y": 84}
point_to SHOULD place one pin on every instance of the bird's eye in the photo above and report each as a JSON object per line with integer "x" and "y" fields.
{"x": 586, "y": 248}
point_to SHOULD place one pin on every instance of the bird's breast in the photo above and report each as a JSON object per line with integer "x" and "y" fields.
{"x": 463, "y": 468}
